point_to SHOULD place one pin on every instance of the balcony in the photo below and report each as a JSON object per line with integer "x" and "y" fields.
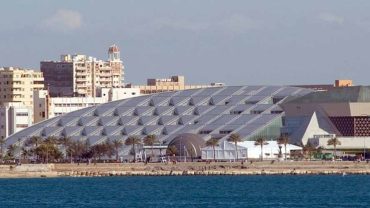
{"x": 81, "y": 80}
{"x": 81, "y": 73}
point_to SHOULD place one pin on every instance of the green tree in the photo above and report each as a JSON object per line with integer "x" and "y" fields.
{"x": 25, "y": 153}
{"x": 65, "y": 142}
{"x": 77, "y": 149}
{"x": 11, "y": 151}
{"x": 334, "y": 142}
{"x": 150, "y": 140}
{"x": 2, "y": 142}
{"x": 33, "y": 142}
{"x": 212, "y": 142}
{"x": 99, "y": 150}
{"x": 235, "y": 138}
{"x": 48, "y": 152}
{"x": 110, "y": 149}
{"x": 133, "y": 140}
{"x": 261, "y": 141}
{"x": 171, "y": 150}
{"x": 283, "y": 140}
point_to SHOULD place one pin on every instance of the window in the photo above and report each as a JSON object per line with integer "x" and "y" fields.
{"x": 22, "y": 114}
{"x": 251, "y": 102}
{"x": 256, "y": 112}
{"x": 275, "y": 100}
{"x": 226, "y": 131}
{"x": 236, "y": 112}
{"x": 205, "y": 132}
{"x": 276, "y": 112}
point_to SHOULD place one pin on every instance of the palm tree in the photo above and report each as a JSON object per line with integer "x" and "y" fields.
{"x": 25, "y": 153}
{"x": 133, "y": 140}
{"x": 334, "y": 141}
{"x": 308, "y": 148}
{"x": 34, "y": 141}
{"x": 49, "y": 143}
{"x": 150, "y": 140}
{"x": 11, "y": 150}
{"x": 171, "y": 150}
{"x": 283, "y": 140}
{"x": 117, "y": 144}
{"x": 235, "y": 138}
{"x": 260, "y": 142}
{"x": 213, "y": 142}
{"x": 109, "y": 148}
{"x": 78, "y": 148}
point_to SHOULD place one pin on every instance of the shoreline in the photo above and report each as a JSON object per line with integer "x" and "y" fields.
{"x": 185, "y": 169}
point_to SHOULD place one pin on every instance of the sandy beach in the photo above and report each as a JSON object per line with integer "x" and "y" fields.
{"x": 196, "y": 168}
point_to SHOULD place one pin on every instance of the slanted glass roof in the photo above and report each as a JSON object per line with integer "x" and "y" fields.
{"x": 221, "y": 110}
{"x": 338, "y": 94}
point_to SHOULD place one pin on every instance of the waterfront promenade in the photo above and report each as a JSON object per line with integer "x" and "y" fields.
{"x": 195, "y": 168}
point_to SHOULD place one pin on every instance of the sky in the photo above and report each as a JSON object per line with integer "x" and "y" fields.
{"x": 237, "y": 42}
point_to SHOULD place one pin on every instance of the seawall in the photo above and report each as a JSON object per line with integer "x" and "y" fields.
{"x": 159, "y": 169}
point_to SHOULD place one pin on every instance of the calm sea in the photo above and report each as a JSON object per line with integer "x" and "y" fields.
{"x": 188, "y": 191}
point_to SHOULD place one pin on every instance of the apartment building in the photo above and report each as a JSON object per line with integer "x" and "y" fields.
{"x": 14, "y": 116}
{"x": 18, "y": 84}
{"x": 173, "y": 83}
{"x": 46, "y": 107}
{"x": 81, "y": 75}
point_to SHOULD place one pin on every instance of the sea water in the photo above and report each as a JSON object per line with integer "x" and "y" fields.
{"x": 188, "y": 191}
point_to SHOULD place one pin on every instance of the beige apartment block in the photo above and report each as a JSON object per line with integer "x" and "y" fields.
{"x": 173, "y": 83}
{"x": 17, "y": 85}
{"x": 81, "y": 75}
{"x": 46, "y": 107}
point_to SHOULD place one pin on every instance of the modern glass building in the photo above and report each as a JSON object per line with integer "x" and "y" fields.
{"x": 251, "y": 111}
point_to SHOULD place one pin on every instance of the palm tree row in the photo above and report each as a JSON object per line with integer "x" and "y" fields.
{"x": 62, "y": 149}
{"x": 56, "y": 149}
{"x": 213, "y": 142}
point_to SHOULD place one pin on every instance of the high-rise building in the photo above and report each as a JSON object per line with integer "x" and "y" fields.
{"x": 17, "y": 85}
{"x": 81, "y": 75}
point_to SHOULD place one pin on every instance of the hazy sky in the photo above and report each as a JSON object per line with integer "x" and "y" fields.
{"x": 233, "y": 41}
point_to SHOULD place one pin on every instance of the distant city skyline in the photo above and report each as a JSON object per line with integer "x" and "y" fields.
{"x": 237, "y": 42}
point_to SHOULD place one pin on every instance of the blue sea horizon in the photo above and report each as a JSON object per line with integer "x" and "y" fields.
{"x": 188, "y": 191}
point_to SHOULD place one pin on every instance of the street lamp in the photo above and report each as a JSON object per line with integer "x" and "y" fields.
{"x": 364, "y": 149}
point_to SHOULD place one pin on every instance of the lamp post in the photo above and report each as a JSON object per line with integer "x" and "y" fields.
{"x": 364, "y": 149}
